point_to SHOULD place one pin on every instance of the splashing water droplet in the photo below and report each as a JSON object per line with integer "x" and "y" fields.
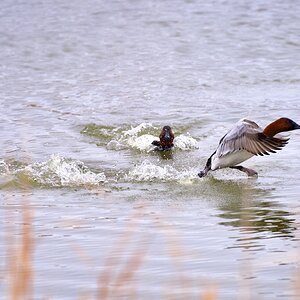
{"x": 60, "y": 171}
{"x": 148, "y": 171}
{"x": 3, "y": 168}
{"x": 185, "y": 142}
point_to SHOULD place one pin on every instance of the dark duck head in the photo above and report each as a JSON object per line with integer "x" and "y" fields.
{"x": 166, "y": 139}
{"x": 280, "y": 125}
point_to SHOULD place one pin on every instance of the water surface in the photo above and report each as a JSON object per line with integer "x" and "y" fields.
{"x": 86, "y": 86}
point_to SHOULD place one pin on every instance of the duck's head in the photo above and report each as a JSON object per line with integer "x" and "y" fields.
{"x": 166, "y": 137}
{"x": 280, "y": 125}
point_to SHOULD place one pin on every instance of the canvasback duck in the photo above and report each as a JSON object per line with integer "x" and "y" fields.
{"x": 245, "y": 140}
{"x": 166, "y": 138}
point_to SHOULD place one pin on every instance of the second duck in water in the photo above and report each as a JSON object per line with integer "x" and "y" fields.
{"x": 245, "y": 140}
{"x": 166, "y": 139}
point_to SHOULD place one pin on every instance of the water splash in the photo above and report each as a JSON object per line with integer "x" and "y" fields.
{"x": 134, "y": 131}
{"x": 142, "y": 143}
{"x": 185, "y": 142}
{"x": 116, "y": 145}
{"x": 61, "y": 172}
{"x": 4, "y": 169}
{"x": 137, "y": 137}
{"x": 148, "y": 171}
{"x": 4, "y": 173}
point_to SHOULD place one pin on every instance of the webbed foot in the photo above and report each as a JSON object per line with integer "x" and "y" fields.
{"x": 248, "y": 171}
{"x": 203, "y": 173}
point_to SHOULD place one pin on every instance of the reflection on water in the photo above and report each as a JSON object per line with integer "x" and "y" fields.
{"x": 244, "y": 208}
{"x": 261, "y": 217}
{"x": 168, "y": 154}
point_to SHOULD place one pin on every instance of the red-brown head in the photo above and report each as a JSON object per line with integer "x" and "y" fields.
{"x": 166, "y": 137}
{"x": 280, "y": 125}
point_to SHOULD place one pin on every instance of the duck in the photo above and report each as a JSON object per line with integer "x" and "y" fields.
{"x": 247, "y": 139}
{"x": 166, "y": 139}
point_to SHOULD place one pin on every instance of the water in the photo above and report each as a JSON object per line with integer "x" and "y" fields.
{"x": 86, "y": 86}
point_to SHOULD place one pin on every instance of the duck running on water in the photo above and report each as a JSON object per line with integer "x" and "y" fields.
{"x": 245, "y": 140}
{"x": 166, "y": 139}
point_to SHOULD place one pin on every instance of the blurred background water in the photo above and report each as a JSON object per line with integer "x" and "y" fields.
{"x": 87, "y": 85}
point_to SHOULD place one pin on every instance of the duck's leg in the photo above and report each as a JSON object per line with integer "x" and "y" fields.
{"x": 204, "y": 172}
{"x": 207, "y": 168}
{"x": 249, "y": 172}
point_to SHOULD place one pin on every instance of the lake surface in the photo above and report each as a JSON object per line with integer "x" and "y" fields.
{"x": 85, "y": 87}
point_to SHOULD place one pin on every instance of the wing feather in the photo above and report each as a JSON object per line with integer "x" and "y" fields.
{"x": 247, "y": 135}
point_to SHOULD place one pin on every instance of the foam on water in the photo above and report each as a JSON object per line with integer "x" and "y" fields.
{"x": 147, "y": 171}
{"x": 4, "y": 169}
{"x": 185, "y": 142}
{"x": 142, "y": 143}
{"x": 4, "y": 173}
{"x": 137, "y": 137}
{"x": 136, "y": 130}
{"x": 59, "y": 171}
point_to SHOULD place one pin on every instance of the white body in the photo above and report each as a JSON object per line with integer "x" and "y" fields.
{"x": 243, "y": 141}
{"x": 229, "y": 160}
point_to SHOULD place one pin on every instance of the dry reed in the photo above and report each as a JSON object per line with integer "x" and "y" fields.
{"x": 20, "y": 250}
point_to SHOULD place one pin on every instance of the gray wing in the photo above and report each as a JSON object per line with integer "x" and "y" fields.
{"x": 247, "y": 135}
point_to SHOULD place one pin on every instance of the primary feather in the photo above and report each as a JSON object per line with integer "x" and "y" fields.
{"x": 246, "y": 136}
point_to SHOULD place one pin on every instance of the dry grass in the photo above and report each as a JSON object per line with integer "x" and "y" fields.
{"x": 120, "y": 282}
{"x": 117, "y": 280}
{"x": 120, "y": 269}
{"x": 20, "y": 250}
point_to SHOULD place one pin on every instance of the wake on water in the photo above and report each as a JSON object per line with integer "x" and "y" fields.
{"x": 59, "y": 171}
{"x": 148, "y": 171}
{"x": 139, "y": 137}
